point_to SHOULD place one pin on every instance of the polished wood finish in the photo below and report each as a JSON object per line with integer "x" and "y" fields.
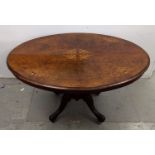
{"x": 79, "y": 63}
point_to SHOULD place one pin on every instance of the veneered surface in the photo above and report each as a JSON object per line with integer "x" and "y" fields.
{"x": 78, "y": 61}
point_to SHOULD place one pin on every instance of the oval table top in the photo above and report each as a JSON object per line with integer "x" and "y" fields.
{"x": 78, "y": 62}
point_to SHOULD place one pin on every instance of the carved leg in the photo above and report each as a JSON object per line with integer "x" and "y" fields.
{"x": 65, "y": 99}
{"x": 89, "y": 100}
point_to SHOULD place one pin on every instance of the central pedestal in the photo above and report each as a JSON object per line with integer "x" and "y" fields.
{"x": 86, "y": 97}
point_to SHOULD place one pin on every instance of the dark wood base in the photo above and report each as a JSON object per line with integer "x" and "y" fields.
{"x": 68, "y": 96}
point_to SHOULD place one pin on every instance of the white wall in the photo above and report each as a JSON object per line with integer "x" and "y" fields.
{"x": 11, "y": 36}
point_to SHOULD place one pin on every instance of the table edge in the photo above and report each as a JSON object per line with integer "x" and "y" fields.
{"x": 80, "y": 89}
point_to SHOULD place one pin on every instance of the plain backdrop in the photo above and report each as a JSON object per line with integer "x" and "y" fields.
{"x": 13, "y": 35}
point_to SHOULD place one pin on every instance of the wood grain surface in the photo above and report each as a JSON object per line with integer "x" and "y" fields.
{"x": 78, "y": 61}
